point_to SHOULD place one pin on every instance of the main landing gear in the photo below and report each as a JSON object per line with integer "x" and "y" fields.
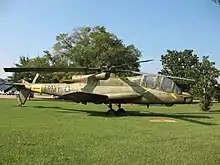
{"x": 119, "y": 112}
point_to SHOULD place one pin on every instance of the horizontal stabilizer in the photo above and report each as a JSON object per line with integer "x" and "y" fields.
{"x": 14, "y": 85}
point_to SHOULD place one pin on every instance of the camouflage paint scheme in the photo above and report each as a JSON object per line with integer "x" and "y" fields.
{"x": 107, "y": 89}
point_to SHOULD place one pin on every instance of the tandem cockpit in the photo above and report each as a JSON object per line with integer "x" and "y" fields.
{"x": 158, "y": 82}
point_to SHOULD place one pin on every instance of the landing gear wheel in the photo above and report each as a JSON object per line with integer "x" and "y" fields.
{"x": 169, "y": 105}
{"x": 121, "y": 111}
{"x": 111, "y": 112}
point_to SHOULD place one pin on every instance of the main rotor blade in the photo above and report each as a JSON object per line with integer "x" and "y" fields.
{"x": 50, "y": 69}
{"x": 118, "y": 66}
{"x": 53, "y": 69}
{"x": 180, "y": 78}
{"x": 142, "y": 73}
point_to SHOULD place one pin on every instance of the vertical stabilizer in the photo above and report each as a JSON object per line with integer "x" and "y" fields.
{"x": 23, "y": 95}
{"x": 24, "y": 92}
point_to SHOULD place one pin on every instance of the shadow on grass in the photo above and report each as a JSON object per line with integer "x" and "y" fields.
{"x": 212, "y": 112}
{"x": 184, "y": 117}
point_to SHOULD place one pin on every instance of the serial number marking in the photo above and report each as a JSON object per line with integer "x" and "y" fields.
{"x": 54, "y": 88}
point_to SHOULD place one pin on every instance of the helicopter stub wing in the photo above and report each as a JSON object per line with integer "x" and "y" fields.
{"x": 85, "y": 96}
{"x": 92, "y": 97}
{"x": 123, "y": 96}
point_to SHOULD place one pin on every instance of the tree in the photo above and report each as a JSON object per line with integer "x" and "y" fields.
{"x": 23, "y": 61}
{"x": 94, "y": 47}
{"x": 31, "y": 62}
{"x": 186, "y": 64}
{"x": 180, "y": 64}
{"x": 217, "y": 93}
{"x": 85, "y": 47}
{"x": 205, "y": 86}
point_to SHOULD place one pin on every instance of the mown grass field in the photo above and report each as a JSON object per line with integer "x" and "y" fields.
{"x": 49, "y": 132}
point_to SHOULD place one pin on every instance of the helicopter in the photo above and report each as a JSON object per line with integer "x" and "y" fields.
{"x": 104, "y": 88}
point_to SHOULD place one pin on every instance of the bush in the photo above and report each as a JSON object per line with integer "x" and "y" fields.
{"x": 206, "y": 102}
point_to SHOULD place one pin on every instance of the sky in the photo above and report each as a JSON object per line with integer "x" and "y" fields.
{"x": 28, "y": 27}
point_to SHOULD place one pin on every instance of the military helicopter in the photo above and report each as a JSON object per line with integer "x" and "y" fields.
{"x": 104, "y": 88}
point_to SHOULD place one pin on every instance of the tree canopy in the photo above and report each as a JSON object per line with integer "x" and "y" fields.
{"x": 84, "y": 47}
{"x": 180, "y": 64}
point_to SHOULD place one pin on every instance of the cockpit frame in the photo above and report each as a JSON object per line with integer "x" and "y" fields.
{"x": 159, "y": 82}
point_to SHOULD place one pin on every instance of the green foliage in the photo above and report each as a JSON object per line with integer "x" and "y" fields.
{"x": 206, "y": 77}
{"x": 84, "y": 47}
{"x": 217, "y": 1}
{"x": 23, "y": 61}
{"x": 180, "y": 64}
{"x": 31, "y": 62}
{"x": 94, "y": 47}
{"x": 217, "y": 93}
{"x": 206, "y": 102}
{"x": 186, "y": 64}
{"x": 206, "y": 84}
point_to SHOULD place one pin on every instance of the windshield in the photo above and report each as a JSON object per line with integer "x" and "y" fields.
{"x": 177, "y": 89}
{"x": 167, "y": 85}
{"x": 137, "y": 80}
{"x": 148, "y": 81}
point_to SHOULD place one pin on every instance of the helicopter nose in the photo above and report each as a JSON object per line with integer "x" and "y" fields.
{"x": 187, "y": 97}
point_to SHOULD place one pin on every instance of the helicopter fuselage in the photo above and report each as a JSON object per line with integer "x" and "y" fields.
{"x": 130, "y": 90}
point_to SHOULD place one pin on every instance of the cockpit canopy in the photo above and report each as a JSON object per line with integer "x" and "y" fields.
{"x": 158, "y": 82}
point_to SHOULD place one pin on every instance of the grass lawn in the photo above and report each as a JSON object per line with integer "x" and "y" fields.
{"x": 49, "y": 132}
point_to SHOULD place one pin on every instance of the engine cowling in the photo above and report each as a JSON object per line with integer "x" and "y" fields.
{"x": 102, "y": 76}
{"x": 79, "y": 78}
{"x": 84, "y": 78}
